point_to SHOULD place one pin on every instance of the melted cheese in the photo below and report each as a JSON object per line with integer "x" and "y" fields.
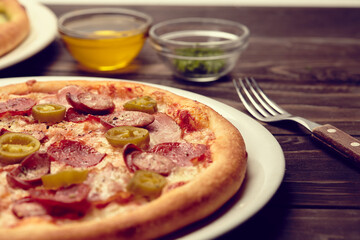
{"x": 184, "y": 174}
{"x": 106, "y": 178}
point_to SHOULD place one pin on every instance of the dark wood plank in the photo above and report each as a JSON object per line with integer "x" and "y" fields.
{"x": 299, "y": 224}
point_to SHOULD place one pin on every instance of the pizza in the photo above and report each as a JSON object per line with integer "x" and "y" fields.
{"x": 14, "y": 25}
{"x": 111, "y": 160}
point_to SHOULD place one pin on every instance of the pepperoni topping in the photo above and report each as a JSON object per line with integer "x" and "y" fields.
{"x": 88, "y": 102}
{"x": 72, "y": 89}
{"x": 28, "y": 174}
{"x": 3, "y": 108}
{"x": 3, "y": 131}
{"x": 127, "y": 118}
{"x": 152, "y": 162}
{"x": 60, "y": 96}
{"x": 20, "y": 106}
{"x": 57, "y": 202}
{"x": 128, "y": 152}
{"x": 136, "y": 159}
{"x": 71, "y": 195}
{"x": 70, "y": 202}
{"x": 74, "y": 116}
{"x": 183, "y": 154}
{"x": 74, "y": 153}
{"x": 163, "y": 129}
{"x": 27, "y": 207}
{"x": 17, "y": 106}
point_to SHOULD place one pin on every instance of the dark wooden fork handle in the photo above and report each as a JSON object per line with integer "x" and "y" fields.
{"x": 339, "y": 141}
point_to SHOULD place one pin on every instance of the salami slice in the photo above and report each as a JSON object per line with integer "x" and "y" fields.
{"x": 183, "y": 154}
{"x": 129, "y": 151}
{"x": 153, "y": 162}
{"x": 17, "y": 106}
{"x": 64, "y": 196}
{"x": 74, "y": 116}
{"x": 28, "y": 174}
{"x": 72, "y": 89}
{"x": 3, "y": 108}
{"x": 136, "y": 159}
{"x": 27, "y": 207}
{"x": 60, "y": 96}
{"x": 3, "y": 131}
{"x": 75, "y": 153}
{"x": 163, "y": 129}
{"x": 72, "y": 199}
{"x": 127, "y": 118}
{"x": 88, "y": 102}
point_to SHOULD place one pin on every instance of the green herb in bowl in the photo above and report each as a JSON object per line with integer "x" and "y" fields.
{"x": 186, "y": 66}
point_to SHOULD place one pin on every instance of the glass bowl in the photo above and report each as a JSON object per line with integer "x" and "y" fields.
{"x": 199, "y": 49}
{"x": 104, "y": 39}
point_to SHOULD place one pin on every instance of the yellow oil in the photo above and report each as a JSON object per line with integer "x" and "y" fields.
{"x": 116, "y": 50}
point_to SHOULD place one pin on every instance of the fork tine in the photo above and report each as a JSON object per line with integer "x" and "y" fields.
{"x": 248, "y": 106}
{"x": 255, "y": 89}
{"x": 268, "y": 101}
{"x": 245, "y": 86}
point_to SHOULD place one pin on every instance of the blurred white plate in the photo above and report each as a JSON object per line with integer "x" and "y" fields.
{"x": 266, "y": 167}
{"x": 43, "y": 30}
{"x": 246, "y": 3}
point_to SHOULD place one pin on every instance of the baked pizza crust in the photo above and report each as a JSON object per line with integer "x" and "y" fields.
{"x": 16, "y": 28}
{"x": 171, "y": 211}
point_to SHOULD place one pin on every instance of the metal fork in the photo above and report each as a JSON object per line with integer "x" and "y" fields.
{"x": 264, "y": 109}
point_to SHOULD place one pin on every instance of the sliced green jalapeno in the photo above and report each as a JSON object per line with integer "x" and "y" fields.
{"x": 64, "y": 178}
{"x": 120, "y": 136}
{"x": 50, "y": 113}
{"x": 146, "y": 183}
{"x": 14, "y": 147}
{"x": 142, "y": 104}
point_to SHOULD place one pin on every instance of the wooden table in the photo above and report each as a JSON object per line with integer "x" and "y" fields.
{"x": 308, "y": 61}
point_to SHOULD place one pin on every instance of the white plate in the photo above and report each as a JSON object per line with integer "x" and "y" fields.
{"x": 266, "y": 167}
{"x": 247, "y": 3}
{"x": 43, "y": 30}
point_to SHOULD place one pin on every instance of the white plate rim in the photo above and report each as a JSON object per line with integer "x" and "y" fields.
{"x": 43, "y": 30}
{"x": 266, "y": 167}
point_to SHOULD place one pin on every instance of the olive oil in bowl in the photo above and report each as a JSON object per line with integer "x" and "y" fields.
{"x": 104, "y": 39}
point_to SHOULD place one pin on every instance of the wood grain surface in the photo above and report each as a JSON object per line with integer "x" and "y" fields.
{"x": 308, "y": 61}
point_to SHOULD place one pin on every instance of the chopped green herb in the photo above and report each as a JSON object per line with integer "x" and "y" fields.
{"x": 199, "y": 66}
